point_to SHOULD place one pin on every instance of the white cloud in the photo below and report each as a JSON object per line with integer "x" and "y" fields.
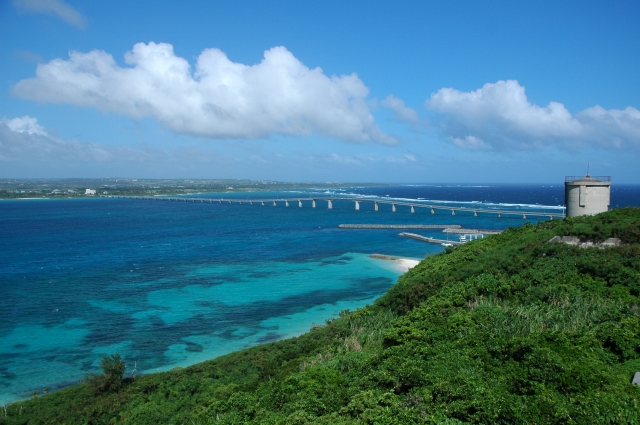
{"x": 365, "y": 159}
{"x": 24, "y": 139}
{"x": 403, "y": 112}
{"x": 470, "y": 142}
{"x": 52, "y": 7}
{"x": 219, "y": 99}
{"x": 500, "y": 116}
{"x": 345, "y": 159}
{"x": 25, "y": 124}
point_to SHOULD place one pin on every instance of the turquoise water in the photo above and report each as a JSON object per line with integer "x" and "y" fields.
{"x": 170, "y": 284}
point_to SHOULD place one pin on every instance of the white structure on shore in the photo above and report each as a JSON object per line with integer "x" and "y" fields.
{"x": 587, "y": 195}
{"x": 90, "y": 192}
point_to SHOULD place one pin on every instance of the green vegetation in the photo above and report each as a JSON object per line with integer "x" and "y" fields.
{"x": 509, "y": 329}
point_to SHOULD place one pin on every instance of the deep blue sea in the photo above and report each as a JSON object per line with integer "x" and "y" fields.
{"x": 169, "y": 284}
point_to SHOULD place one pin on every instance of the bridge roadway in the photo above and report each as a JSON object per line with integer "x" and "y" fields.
{"x": 330, "y": 200}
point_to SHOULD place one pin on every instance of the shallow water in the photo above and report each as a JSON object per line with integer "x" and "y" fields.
{"x": 170, "y": 284}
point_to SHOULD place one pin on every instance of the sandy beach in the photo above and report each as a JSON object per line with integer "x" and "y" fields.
{"x": 407, "y": 264}
{"x": 402, "y": 264}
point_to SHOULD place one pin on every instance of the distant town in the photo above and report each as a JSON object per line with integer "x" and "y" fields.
{"x": 85, "y": 188}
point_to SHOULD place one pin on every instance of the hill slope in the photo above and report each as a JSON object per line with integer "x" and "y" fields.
{"x": 504, "y": 330}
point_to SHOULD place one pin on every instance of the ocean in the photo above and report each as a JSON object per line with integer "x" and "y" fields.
{"x": 168, "y": 284}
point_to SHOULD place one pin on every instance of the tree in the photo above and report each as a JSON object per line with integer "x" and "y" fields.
{"x": 111, "y": 378}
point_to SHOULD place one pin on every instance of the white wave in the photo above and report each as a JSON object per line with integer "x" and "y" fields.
{"x": 484, "y": 205}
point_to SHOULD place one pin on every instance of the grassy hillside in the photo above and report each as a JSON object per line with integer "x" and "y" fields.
{"x": 504, "y": 330}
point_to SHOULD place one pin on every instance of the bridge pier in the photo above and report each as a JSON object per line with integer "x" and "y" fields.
{"x": 357, "y": 203}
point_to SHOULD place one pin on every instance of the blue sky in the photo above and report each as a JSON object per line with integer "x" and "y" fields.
{"x": 320, "y": 91}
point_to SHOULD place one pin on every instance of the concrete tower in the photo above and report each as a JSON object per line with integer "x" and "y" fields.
{"x": 587, "y": 195}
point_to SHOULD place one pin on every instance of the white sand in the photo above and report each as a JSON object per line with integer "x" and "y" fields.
{"x": 406, "y": 264}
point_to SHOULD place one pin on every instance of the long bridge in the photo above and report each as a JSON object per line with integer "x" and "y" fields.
{"x": 412, "y": 206}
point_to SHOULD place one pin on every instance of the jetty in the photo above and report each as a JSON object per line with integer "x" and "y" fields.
{"x": 411, "y": 205}
{"x": 385, "y": 257}
{"x": 400, "y": 226}
{"x": 471, "y": 231}
{"x": 428, "y": 239}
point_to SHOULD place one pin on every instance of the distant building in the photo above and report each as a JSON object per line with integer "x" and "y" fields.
{"x": 90, "y": 192}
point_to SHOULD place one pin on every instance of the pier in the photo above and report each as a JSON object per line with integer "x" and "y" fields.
{"x": 412, "y": 206}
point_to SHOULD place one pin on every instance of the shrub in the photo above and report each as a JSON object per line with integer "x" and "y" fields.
{"x": 111, "y": 378}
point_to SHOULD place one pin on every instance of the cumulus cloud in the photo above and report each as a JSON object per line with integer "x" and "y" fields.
{"x": 499, "y": 116}
{"x": 56, "y": 8}
{"x": 402, "y": 111}
{"x": 219, "y": 99}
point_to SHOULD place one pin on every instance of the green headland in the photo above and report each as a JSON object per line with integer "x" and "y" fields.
{"x": 510, "y": 329}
